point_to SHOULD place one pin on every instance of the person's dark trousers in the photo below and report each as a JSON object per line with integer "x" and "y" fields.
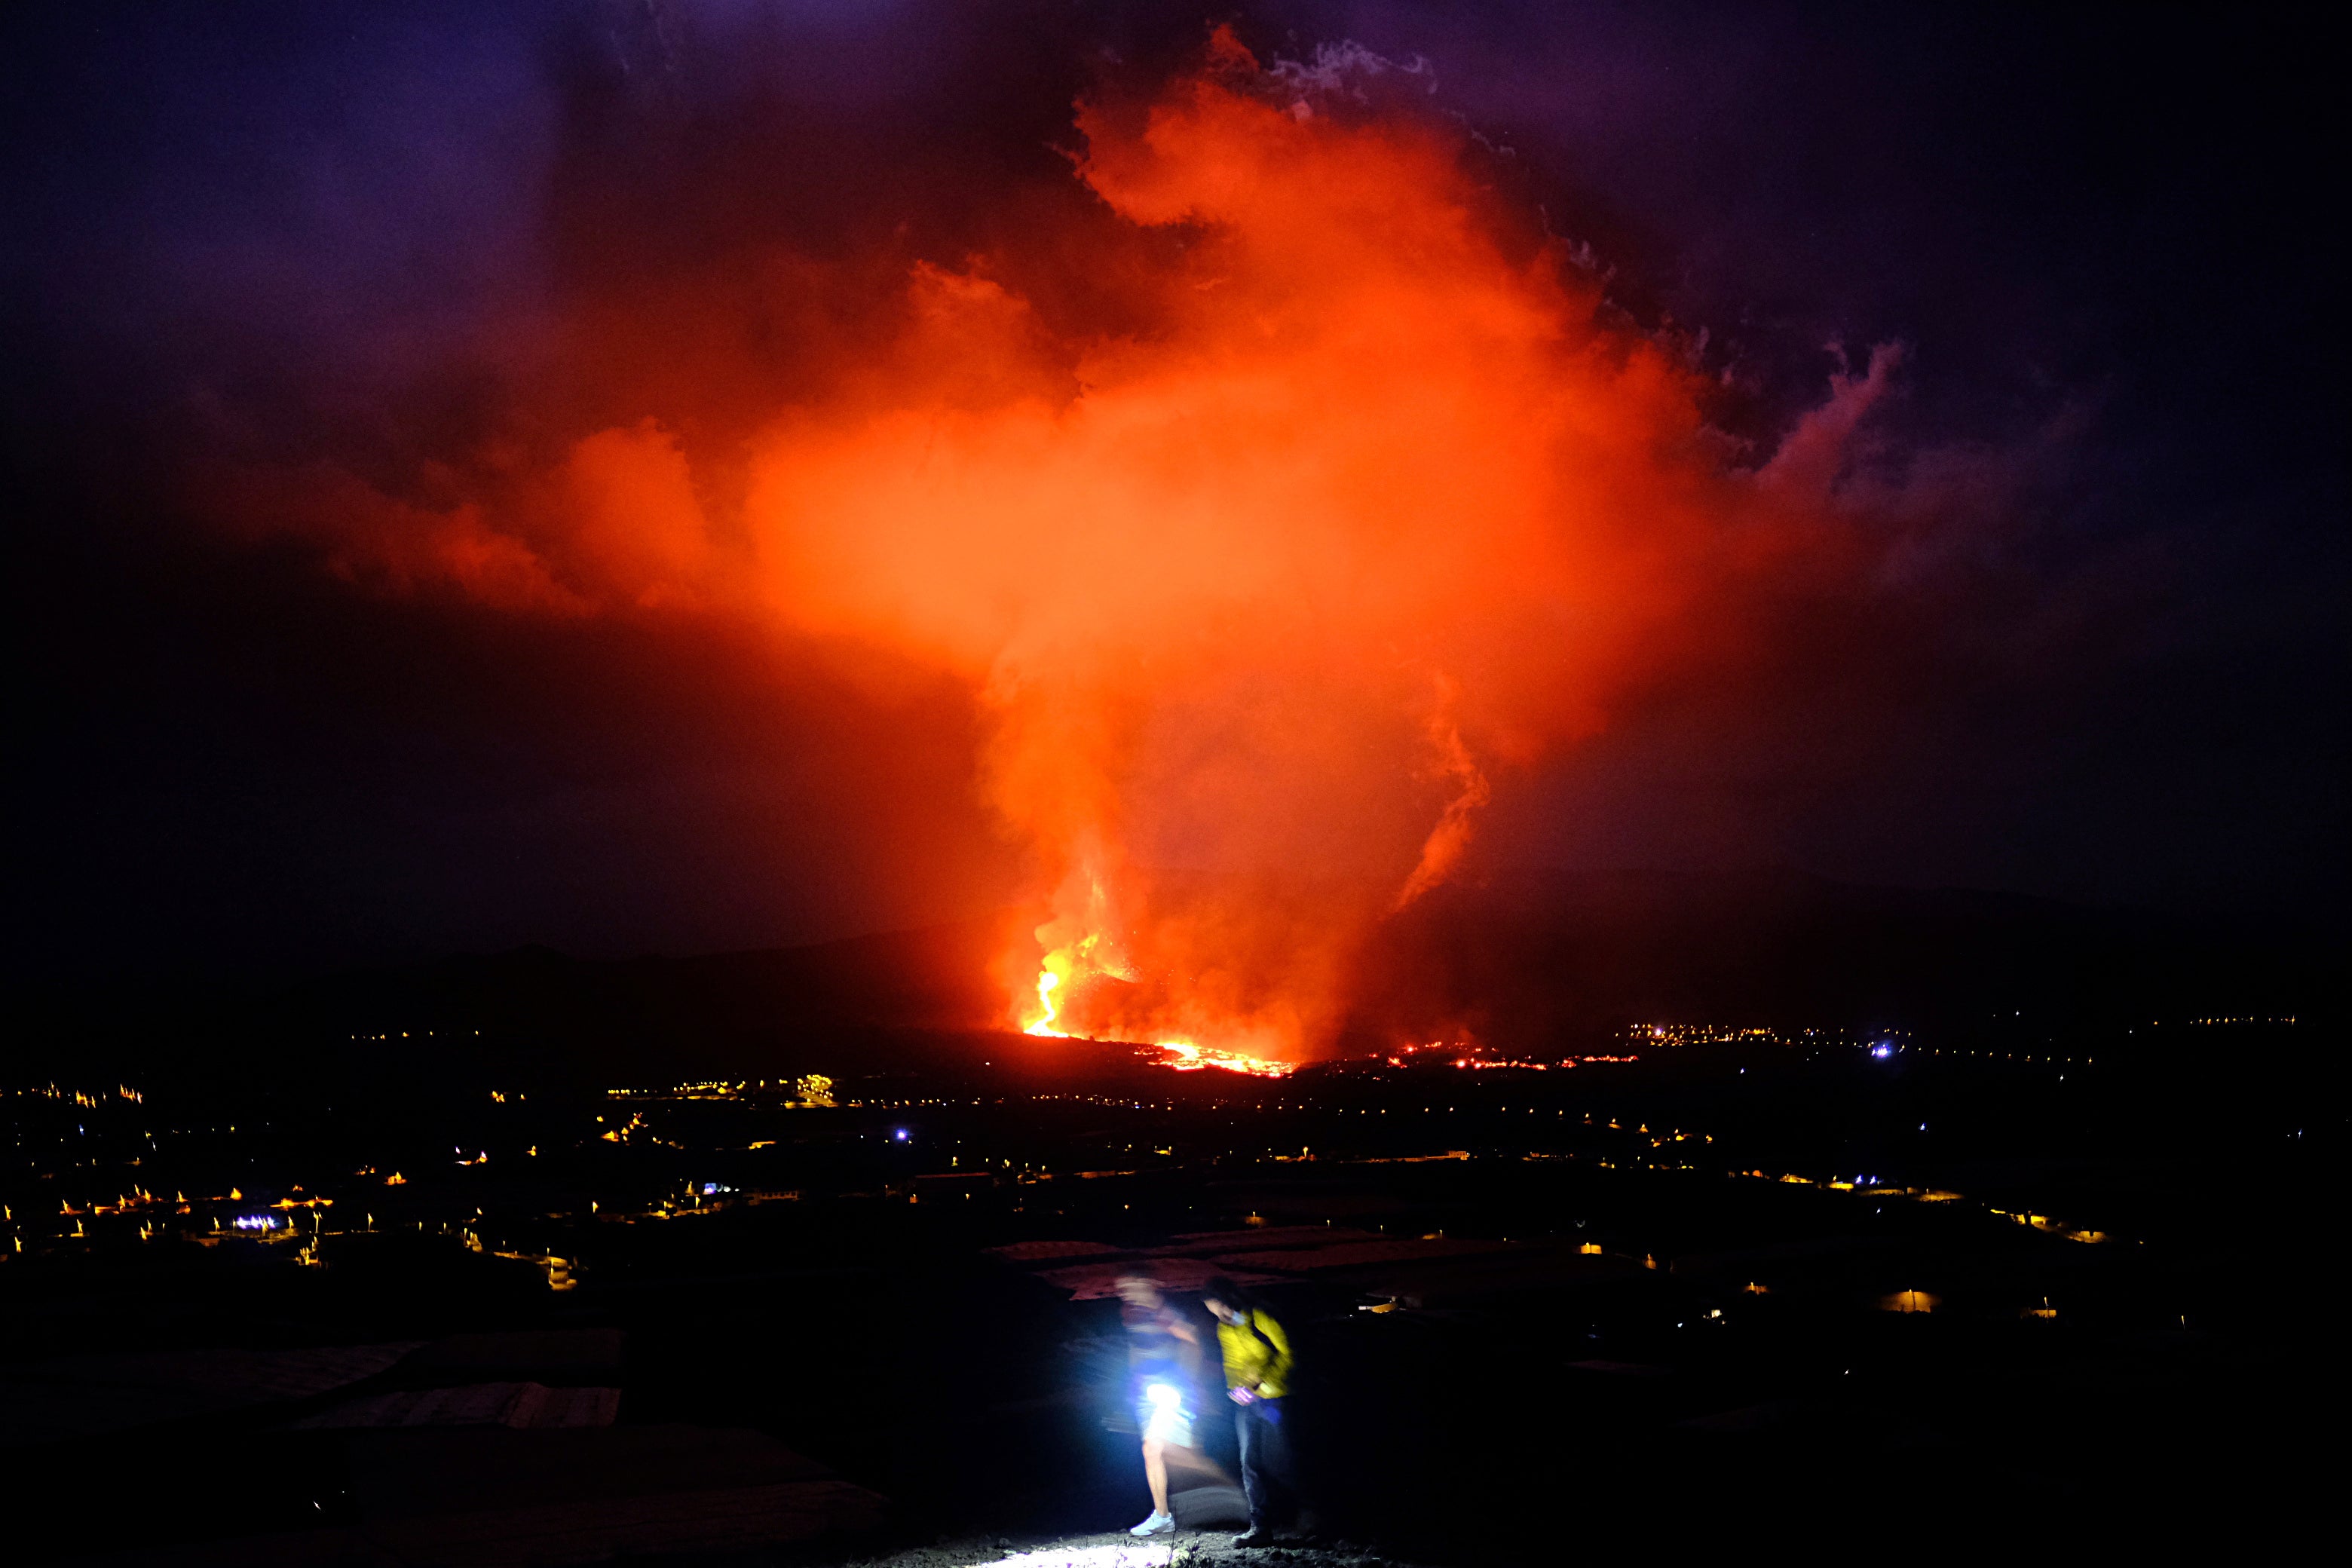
{"x": 1267, "y": 1469}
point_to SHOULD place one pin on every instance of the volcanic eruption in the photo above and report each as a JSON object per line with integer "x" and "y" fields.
{"x": 1341, "y": 494}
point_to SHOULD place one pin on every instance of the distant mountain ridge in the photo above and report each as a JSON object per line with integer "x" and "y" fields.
{"x": 1539, "y": 954}
{"x": 1528, "y": 960}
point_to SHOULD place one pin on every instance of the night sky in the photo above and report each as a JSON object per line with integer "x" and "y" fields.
{"x": 414, "y": 245}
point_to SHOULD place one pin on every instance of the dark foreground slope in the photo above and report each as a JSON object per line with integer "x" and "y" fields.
{"x": 1728, "y": 1296}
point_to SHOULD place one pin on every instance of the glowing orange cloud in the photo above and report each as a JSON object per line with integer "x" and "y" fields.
{"x": 1367, "y": 500}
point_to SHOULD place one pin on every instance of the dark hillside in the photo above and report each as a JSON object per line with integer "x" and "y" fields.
{"x": 1536, "y": 965}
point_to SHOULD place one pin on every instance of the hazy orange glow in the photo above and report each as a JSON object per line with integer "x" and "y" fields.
{"x": 1368, "y": 500}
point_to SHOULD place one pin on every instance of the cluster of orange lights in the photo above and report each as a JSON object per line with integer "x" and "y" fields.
{"x": 1469, "y": 1060}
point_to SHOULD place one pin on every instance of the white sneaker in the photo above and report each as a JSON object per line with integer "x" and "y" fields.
{"x": 1158, "y": 1524}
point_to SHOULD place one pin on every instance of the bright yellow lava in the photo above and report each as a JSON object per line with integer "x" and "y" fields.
{"x": 1046, "y": 980}
{"x": 1183, "y": 1055}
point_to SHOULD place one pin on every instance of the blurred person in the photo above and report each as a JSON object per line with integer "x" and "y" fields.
{"x": 1163, "y": 1360}
{"x": 1257, "y": 1379}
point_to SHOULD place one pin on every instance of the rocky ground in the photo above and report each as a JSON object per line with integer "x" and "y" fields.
{"x": 1188, "y": 1549}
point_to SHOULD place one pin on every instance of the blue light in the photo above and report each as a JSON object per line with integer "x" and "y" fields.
{"x": 901, "y": 1135}
{"x": 1881, "y": 1050}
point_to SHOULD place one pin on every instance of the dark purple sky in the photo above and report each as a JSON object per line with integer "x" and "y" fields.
{"x": 296, "y": 231}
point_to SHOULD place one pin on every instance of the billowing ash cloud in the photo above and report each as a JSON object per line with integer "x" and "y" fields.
{"x": 1277, "y": 489}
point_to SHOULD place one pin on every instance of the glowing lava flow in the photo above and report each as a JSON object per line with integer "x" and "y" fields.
{"x": 1183, "y": 1055}
{"x": 1046, "y": 980}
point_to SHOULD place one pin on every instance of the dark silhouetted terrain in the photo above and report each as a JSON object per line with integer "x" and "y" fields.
{"x": 1541, "y": 964}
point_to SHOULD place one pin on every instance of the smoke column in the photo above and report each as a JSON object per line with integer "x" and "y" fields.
{"x": 1357, "y": 499}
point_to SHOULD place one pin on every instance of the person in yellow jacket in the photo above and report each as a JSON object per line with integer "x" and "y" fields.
{"x": 1258, "y": 1379}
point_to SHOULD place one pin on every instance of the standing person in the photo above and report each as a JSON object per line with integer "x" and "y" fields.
{"x": 1163, "y": 1360}
{"x": 1257, "y": 1379}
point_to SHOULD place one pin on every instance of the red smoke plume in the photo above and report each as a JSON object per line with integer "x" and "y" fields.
{"x": 1368, "y": 500}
